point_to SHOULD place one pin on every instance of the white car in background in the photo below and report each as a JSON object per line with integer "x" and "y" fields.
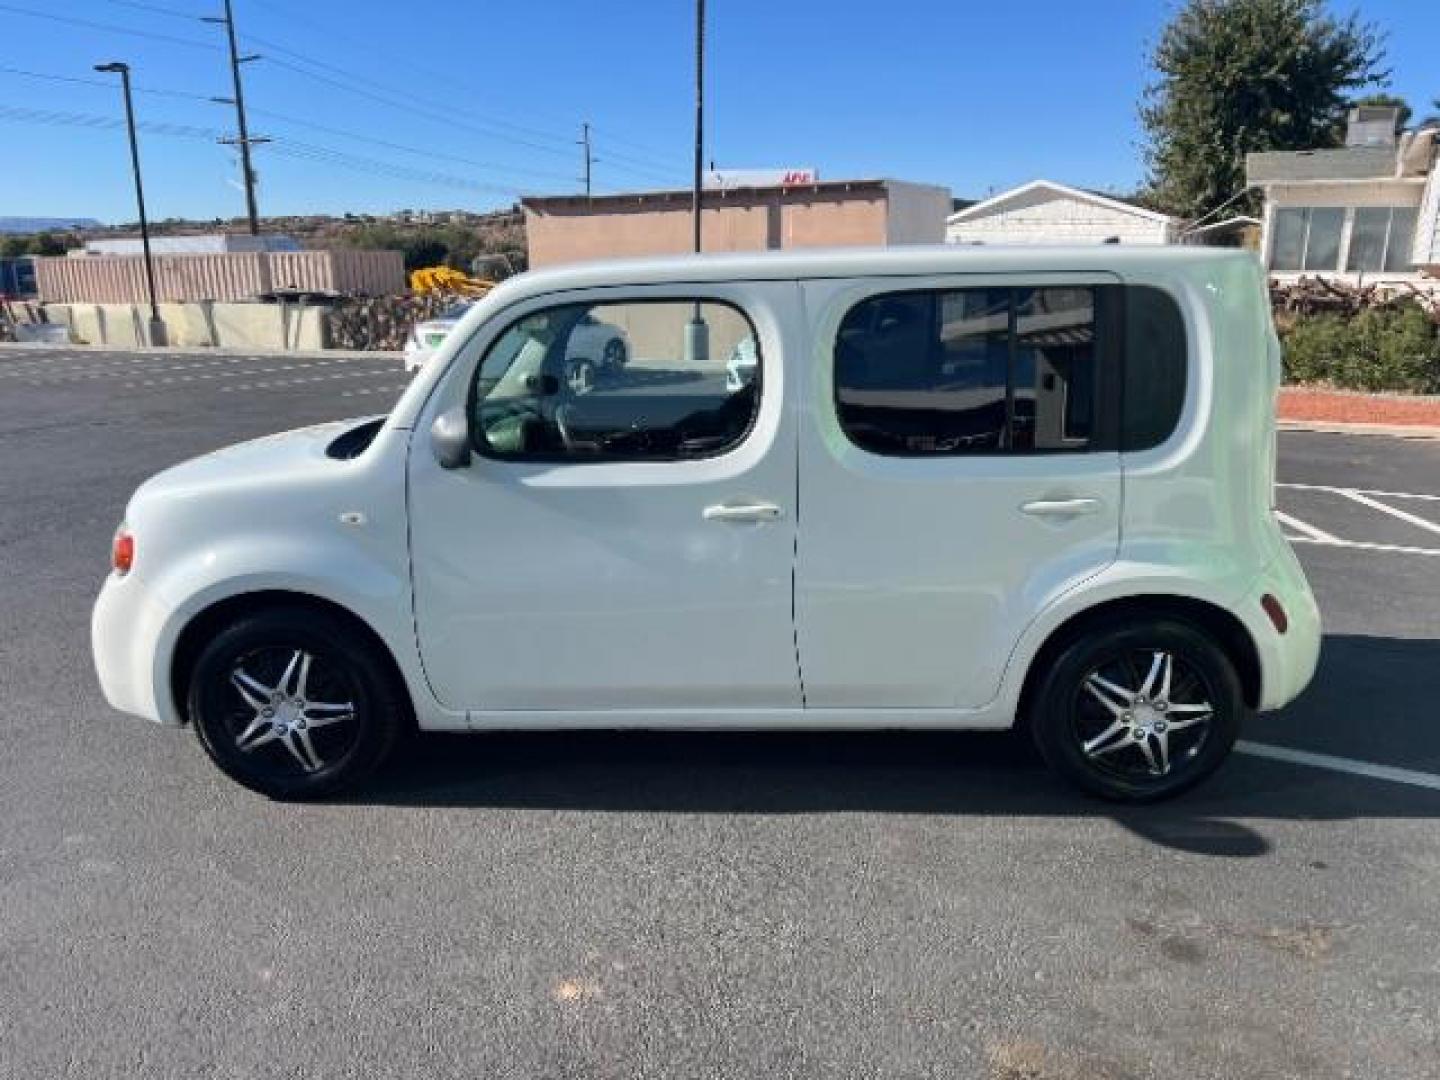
{"x": 595, "y": 348}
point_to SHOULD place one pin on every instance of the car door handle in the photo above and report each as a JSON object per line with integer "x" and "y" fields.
{"x": 1060, "y": 507}
{"x": 759, "y": 511}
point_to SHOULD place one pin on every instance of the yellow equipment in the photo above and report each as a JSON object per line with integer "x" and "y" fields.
{"x": 444, "y": 279}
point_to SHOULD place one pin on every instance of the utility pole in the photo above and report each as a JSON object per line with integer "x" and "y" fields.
{"x": 699, "y": 114}
{"x": 697, "y": 332}
{"x": 157, "y": 327}
{"x": 589, "y": 160}
{"x": 244, "y": 140}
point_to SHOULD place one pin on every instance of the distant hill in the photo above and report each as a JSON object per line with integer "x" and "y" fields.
{"x": 45, "y": 224}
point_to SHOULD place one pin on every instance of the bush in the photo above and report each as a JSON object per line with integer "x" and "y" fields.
{"x": 1391, "y": 348}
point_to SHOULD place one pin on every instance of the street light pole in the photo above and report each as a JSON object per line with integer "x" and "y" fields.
{"x": 699, "y": 115}
{"x": 157, "y": 327}
{"x": 697, "y": 332}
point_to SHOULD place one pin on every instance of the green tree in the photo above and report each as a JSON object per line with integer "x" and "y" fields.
{"x": 46, "y": 244}
{"x": 1389, "y": 99}
{"x": 1238, "y": 76}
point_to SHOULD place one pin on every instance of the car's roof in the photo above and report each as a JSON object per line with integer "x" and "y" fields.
{"x": 907, "y": 260}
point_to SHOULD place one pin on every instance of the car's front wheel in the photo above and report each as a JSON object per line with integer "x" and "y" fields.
{"x": 1138, "y": 712}
{"x": 294, "y": 704}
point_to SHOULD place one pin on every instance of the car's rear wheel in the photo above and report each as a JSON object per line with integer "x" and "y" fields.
{"x": 1138, "y": 712}
{"x": 294, "y": 704}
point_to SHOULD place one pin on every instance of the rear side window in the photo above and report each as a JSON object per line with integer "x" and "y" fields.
{"x": 1155, "y": 367}
{"x": 1010, "y": 370}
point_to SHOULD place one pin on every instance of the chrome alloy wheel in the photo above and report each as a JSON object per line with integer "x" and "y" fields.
{"x": 280, "y": 711}
{"x": 1143, "y": 714}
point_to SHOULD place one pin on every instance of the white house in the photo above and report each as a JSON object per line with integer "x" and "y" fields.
{"x": 1044, "y": 212}
{"x": 1369, "y": 211}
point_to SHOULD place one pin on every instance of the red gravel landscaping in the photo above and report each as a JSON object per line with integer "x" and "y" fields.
{"x": 1351, "y": 407}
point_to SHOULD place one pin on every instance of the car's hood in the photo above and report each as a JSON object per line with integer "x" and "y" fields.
{"x": 286, "y": 454}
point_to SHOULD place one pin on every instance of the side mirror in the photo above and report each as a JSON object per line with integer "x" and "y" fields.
{"x": 450, "y": 439}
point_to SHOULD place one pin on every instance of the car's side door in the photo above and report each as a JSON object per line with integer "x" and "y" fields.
{"x": 617, "y": 546}
{"x": 958, "y": 470}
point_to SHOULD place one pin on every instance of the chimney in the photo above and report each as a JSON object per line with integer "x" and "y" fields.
{"x": 1372, "y": 125}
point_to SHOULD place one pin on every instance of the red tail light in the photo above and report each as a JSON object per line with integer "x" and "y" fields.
{"x": 1276, "y": 612}
{"x": 122, "y": 552}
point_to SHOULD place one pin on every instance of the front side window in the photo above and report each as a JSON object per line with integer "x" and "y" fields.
{"x": 663, "y": 380}
{"x": 990, "y": 370}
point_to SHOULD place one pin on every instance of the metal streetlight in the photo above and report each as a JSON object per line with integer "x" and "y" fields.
{"x": 157, "y": 326}
{"x": 697, "y": 332}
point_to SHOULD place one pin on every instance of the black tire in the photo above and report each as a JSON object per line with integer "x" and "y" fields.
{"x": 343, "y": 666}
{"x": 1093, "y": 738}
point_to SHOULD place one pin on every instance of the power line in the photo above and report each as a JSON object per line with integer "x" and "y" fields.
{"x": 428, "y": 152}
{"x": 286, "y": 147}
{"x": 331, "y": 29}
{"x": 402, "y": 104}
{"x": 157, "y": 9}
{"x": 405, "y": 99}
{"x": 285, "y": 118}
{"x": 169, "y": 39}
{"x": 50, "y": 77}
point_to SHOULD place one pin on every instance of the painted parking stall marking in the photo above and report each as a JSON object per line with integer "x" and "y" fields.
{"x": 1361, "y": 519}
{"x": 1332, "y": 763}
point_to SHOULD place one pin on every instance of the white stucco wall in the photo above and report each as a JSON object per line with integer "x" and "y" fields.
{"x": 1045, "y": 217}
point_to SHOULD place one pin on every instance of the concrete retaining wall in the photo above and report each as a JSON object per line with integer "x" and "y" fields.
{"x": 257, "y": 326}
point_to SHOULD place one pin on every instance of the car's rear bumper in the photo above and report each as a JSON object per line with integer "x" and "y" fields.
{"x": 1287, "y": 660}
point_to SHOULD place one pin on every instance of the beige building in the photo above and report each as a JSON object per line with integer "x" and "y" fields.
{"x": 822, "y": 214}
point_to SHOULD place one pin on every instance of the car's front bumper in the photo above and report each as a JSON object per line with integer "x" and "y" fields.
{"x": 125, "y": 633}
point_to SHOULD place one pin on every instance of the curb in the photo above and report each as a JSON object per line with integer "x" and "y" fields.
{"x": 30, "y": 347}
{"x": 1341, "y": 427}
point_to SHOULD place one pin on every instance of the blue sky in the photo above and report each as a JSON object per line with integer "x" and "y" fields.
{"x": 490, "y": 96}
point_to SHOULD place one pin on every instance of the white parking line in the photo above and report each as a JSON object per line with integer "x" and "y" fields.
{"x": 1361, "y": 545}
{"x": 1339, "y": 764}
{"x": 1359, "y": 491}
{"x": 1320, "y": 536}
{"x": 1403, "y": 515}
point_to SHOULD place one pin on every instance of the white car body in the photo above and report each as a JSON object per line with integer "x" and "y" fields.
{"x": 911, "y": 592}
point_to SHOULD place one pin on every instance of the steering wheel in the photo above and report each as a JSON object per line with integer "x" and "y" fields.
{"x": 564, "y": 420}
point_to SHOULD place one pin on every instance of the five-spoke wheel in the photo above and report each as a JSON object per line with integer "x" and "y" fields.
{"x": 294, "y": 703}
{"x": 1138, "y": 712}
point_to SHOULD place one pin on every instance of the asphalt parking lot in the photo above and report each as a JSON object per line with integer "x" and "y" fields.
{"x": 722, "y": 905}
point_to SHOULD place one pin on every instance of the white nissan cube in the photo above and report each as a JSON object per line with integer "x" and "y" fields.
{"x": 958, "y": 488}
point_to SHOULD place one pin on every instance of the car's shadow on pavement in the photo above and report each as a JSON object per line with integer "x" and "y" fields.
{"x": 954, "y": 773}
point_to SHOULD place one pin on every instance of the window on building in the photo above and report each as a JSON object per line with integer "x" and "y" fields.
{"x": 1306, "y": 238}
{"x": 666, "y": 380}
{"x": 1381, "y": 239}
